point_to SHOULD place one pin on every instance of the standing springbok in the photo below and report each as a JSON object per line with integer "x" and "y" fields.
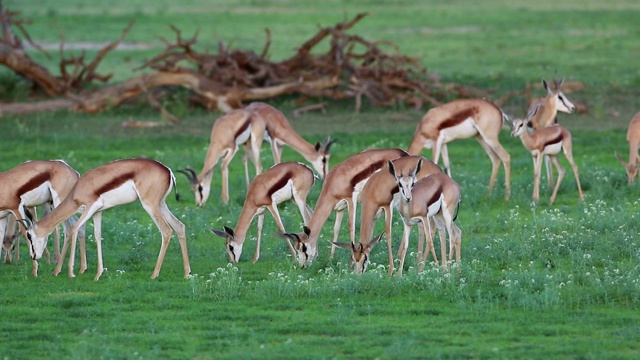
{"x": 436, "y": 197}
{"x": 280, "y": 183}
{"x": 378, "y": 196}
{"x": 116, "y": 183}
{"x": 461, "y": 119}
{"x": 547, "y": 141}
{"x": 340, "y": 192}
{"x": 279, "y": 133}
{"x": 31, "y": 184}
{"x": 233, "y": 129}
{"x": 633, "y": 137}
{"x": 544, "y": 112}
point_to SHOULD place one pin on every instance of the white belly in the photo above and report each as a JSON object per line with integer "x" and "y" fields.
{"x": 464, "y": 130}
{"x": 244, "y": 136}
{"x": 37, "y": 196}
{"x": 552, "y": 149}
{"x": 124, "y": 194}
{"x": 283, "y": 194}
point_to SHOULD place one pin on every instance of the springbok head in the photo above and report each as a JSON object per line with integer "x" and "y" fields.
{"x": 557, "y": 97}
{"x": 233, "y": 246}
{"x": 360, "y": 253}
{"x": 321, "y": 161}
{"x": 200, "y": 187}
{"x": 405, "y": 182}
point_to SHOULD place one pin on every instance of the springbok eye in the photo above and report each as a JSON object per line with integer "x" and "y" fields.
{"x": 230, "y": 247}
{"x": 200, "y": 188}
{"x": 304, "y": 248}
{"x": 324, "y": 160}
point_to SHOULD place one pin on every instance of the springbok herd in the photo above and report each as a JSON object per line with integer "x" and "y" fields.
{"x": 379, "y": 179}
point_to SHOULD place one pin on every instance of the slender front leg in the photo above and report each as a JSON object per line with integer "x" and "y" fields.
{"x": 256, "y": 255}
{"x": 537, "y": 161}
{"x": 336, "y": 230}
{"x": 225, "y": 177}
{"x": 97, "y": 233}
{"x": 276, "y": 216}
{"x": 402, "y": 252}
{"x": 388, "y": 214}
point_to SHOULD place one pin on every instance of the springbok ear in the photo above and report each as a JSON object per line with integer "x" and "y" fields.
{"x": 343, "y": 245}
{"x": 546, "y": 86}
{"x": 306, "y": 230}
{"x": 392, "y": 169}
{"x": 624, "y": 163}
{"x": 375, "y": 240}
{"x": 418, "y": 167}
{"x": 220, "y": 233}
{"x": 228, "y": 230}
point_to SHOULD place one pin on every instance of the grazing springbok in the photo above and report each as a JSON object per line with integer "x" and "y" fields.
{"x": 31, "y": 184}
{"x": 229, "y": 132}
{"x": 547, "y": 141}
{"x": 340, "y": 191}
{"x": 280, "y": 183}
{"x": 279, "y": 133}
{"x": 250, "y": 127}
{"x": 12, "y": 236}
{"x": 461, "y": 119}
{"x": 378, "y": 196}
{"x": 435, "y": 197}
{"x": 116, "y": 183}
{"x": 543, "y": 112}
{"x": 633, "y": 137}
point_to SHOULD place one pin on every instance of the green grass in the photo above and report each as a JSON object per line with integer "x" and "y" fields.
{"x": 535, "y": 282}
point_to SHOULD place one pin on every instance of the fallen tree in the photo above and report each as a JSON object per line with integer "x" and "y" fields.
{"x": 352, "y": 68}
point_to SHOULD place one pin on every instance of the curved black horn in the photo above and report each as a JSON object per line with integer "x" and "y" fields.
{"x": 190, "y": 174}
{"x": 325, "y": 144}
{"x": 26, "y": 223}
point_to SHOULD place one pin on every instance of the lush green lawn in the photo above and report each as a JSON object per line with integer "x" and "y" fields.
{"x": 535, "y": 282}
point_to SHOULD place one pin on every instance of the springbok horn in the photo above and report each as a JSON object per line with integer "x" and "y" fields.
{"x": 326, "y": 143}
{"x": 190, "y": 174}
{"x": 26, "y": 223}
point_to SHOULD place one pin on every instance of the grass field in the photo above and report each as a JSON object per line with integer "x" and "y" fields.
{"x": 535, "y": 281}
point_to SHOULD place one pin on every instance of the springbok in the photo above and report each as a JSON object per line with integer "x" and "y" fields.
{"x": 282, "y": 182}
{"x": 116, "y": 183}
{"x": 229, "y": 132}
{"x": 378, "y": 196}
{"x": 543, "y": 112}
{"x": 340, "y": 191}
{"x": 435, "y": 197}
{"x": 547, "y": 141}
{"x": 279, "y": 133}
{"x": 250, "y": 127}
{"x": 633, "y": 137}
{"x": 31, "y": 184}
{"x": 461, "y": 119}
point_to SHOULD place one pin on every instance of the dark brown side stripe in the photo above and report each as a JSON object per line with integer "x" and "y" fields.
{"x": 436, "y": 194}
{"x": 367, "y": 172}
{"x": 553, "y": 141}
{"x": 114, "y": 183}
{"x": 279, "y": 184}
{"x": 34, "y": 182}
{"x": 458, "y": 118}
{"x": 243, "y": 128}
